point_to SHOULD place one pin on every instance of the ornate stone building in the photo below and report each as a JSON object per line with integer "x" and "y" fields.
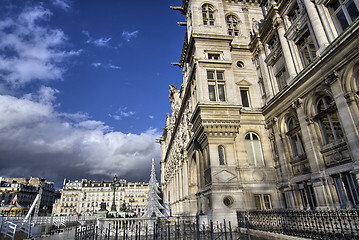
{"x": 84, "y": 197}
{"x": 267, "y": 114}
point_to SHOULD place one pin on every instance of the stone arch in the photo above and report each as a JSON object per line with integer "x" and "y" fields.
{"x": 350, "y": 78}
{"x": 310, "y": 102}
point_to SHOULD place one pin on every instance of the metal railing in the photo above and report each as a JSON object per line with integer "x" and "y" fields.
{"x": 318, "y": 224}
{"x": 150, "y": 229}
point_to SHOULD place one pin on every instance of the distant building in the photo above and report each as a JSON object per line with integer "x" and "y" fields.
{"x": 84, "y": 197}
{"x": 26, "y": 192}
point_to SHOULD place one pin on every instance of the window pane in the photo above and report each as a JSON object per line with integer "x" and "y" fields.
{"x": 210, "y": 75}
{"x": 221, "y": 93}
{"x": 304, "y": 198}
{"x": 299, "y": 146}
{"x": 267, "y": 203}
{"x": 352, "y": 10}
{"x": 342, "y": 20}
{"x": 212, "y": 93}
{"x": 250, "y": 153}
{"x": 336, "y": 5}
{"x": 220, "y": 75}
{"x": 258, "y": 153}
{"x": 336, "y": 124}
{"x": 327, "y": 130}
{"x": 244, "y": 96}
{"x": 258, "y": 202}
{"x": 340, "y": 191}
{"x": 221, "y": 155}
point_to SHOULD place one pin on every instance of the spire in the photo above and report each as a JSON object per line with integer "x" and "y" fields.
{"x": 153, "y": 205}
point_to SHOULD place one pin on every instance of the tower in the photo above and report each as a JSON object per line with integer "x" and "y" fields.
{"x": 216, "y": 152}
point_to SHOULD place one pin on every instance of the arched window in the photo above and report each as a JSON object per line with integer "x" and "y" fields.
{"x": 207, "y": 14}
{"x": 221, "y": 155}
{"x": 295, "y": 137}
{"x": 254, "y": 149}
{"x": 328, "y": 120}
{"x": 232, "y": 24}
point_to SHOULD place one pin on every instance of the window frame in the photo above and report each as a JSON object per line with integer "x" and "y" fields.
{"x": 263, "y": 201}
{"x": 342, "y": 7}
{"x": 223, "y": 160}
{"x": 208, "y": 18}
{"x": 281, "y": 78}
{"x": 328, "y": 112}
{"x": 250, "y": 142}
{"x": 232, "y": 25}
{"x": 295, "y": 137}
{"x": 216, "y": 86}
{"x": 246, "y": 92}
{"x": 304, "y": 45}
{"x": 347, "y": 189}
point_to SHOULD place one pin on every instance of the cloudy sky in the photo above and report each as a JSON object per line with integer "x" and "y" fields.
{"x": 84, "y": 86}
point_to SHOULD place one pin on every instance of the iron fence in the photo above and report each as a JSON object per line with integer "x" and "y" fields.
{"x": 162, "y": 229}
{"x": 318, "y": 224}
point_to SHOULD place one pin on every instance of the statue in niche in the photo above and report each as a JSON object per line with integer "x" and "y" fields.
{"x": 255, "y": 26}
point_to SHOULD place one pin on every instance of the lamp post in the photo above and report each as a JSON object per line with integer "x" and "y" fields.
{"x": 114, "y": 185}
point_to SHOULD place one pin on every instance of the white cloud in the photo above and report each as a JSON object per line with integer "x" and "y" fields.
{"x": 38, "y": 140}
{"x": 53, "y": 145}
{"x": 151, "y": 116}
{"x": 98, "y": 64}
{"x": 129, "y": 35}
{"x": 64, "y": 4}
{"x": 31, "y": 52}
{"x": 101, "y": 42}
{"x": 113, "y": 66}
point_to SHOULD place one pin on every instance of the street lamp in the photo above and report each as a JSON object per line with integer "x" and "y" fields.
{"x": 114, "y": 185}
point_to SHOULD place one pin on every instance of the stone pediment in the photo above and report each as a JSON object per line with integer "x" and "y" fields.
{"x": 244, "y": 83}
{"x": 224, "y": 176}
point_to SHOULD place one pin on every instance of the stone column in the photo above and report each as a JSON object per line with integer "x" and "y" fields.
{"x": 316, "y": 25}
{"x": 264, "y": 71}
{"x": 345, "y": 116}
{"x": 278, "y": 23}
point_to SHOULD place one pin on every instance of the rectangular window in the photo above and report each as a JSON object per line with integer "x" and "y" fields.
{"x": 281, "y": 79}
{"x": 216, "y": 85}
{"x": 213, "y": 56}
{"x": 306, "y": 48}
{"x": 262, "y": 201}
{"x": 245, "y": 97}
{"x": 344, "y": 13}
{"x": 307, "y": 195}
{"x": 347, "y": 190}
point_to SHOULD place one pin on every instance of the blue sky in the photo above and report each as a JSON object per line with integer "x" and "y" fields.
{"x": 84, "y": 86}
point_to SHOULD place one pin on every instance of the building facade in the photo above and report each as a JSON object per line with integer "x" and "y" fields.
{"x": 267, "y": 114}
{"x": 26, "y": 191}
{"x": 84, "y": 197}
